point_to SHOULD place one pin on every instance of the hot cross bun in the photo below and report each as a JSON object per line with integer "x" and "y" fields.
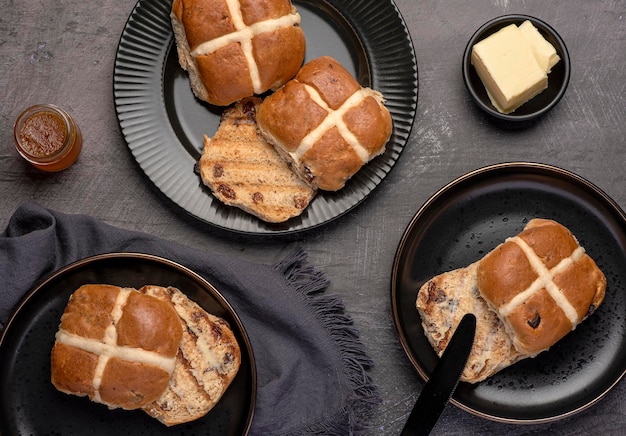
{"x": 541, "y": 283}
{"x": 116, "y": 346}
{"x": 325, "y": 124}
{"x": 233, "y": 49}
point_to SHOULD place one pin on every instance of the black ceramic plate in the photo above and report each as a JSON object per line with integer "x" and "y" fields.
{"x": 164, "y": 124}
{"x": 31, "y": 405}
{"x": 468, "y": 218}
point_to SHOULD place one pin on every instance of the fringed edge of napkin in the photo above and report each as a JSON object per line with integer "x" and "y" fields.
{"x": 358, "y": 407}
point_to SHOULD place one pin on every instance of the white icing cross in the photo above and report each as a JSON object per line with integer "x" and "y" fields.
{"x": 545, "y": 280}
{"x": 243, "y": 35}
{"x": 108, "y": 348}
{"x": 334, "y": 118}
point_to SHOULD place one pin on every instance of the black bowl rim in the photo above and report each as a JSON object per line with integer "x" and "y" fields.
{"x": 504, "y": 20}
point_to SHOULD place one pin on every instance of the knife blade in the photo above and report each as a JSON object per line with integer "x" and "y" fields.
{"x": 443, "y": 380}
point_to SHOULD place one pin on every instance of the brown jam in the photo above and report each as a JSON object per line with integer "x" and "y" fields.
{"x": 47, "y": 137}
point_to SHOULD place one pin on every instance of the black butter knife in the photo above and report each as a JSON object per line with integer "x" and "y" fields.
{"x": 443, "y": 381}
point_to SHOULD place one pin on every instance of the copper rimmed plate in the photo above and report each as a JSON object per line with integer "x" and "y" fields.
{"x": 163, "y": 123}
{"x": 29, "y": 403}
{"x": 470, "y": 216}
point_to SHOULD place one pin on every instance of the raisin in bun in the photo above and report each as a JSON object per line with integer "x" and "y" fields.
{"x": 116, "y": 346}
{"x": 233, "y": 49}
{"x": 541, "y": 283}
{"x": 325, "y": 124}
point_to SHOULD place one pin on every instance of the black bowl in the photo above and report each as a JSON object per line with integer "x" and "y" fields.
{"x": 558, "y": 78}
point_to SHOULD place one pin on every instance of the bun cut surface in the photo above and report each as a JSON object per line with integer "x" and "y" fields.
{"x": 245, "y": 171}
{"x": 443, "y": 300}
{"x": 208, "y": 360}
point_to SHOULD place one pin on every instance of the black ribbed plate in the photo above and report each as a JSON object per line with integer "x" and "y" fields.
{"x": 463, "y": 222}
{"x": 163, "y": 123}
{"x": 29, "y": 403}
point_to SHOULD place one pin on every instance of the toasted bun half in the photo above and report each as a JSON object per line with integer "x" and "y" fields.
{"x": 443, "y": 300}
{"x": 208, "y": 360}
{"x": 243, "y": 170}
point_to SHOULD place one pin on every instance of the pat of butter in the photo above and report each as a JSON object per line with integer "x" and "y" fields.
{"x": 507, "y": 67}
{"x": 544, "y": 52}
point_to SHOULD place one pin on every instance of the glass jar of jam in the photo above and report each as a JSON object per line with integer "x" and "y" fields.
{"x": 47, "y": 137}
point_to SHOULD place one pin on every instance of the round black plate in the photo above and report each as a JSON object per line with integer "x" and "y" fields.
{"x": 164, "y": 124}
{"x": 464, "y": 221}
{"x": 31, "y": 405}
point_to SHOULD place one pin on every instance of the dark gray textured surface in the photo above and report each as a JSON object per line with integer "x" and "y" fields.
{"x": 63, "y": 52}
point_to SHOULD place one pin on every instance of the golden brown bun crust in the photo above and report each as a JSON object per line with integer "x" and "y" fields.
{"x": 223, "y": 76}
{"x": 325, "y": 155}
{"x": 141, "y": 325}
{"x": 89, "y": 313}
{"x": 130, "y": 385}
{"x": 539, "y": 321}
{"x": 73, "y": 369}
{"x": 141, "y": 335}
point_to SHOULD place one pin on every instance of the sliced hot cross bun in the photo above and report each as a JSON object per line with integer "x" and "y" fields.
{"x": 151, "y": 348}
{"x": 541, "y": 283}
{"x": 325, "y": 124}
{"x": 526, "y": 294}
{"x": 116, "y": 346}
{"x": 237, "y": 48}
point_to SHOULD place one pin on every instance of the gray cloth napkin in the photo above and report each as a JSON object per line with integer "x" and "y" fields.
{"x": 311, "y": 367}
